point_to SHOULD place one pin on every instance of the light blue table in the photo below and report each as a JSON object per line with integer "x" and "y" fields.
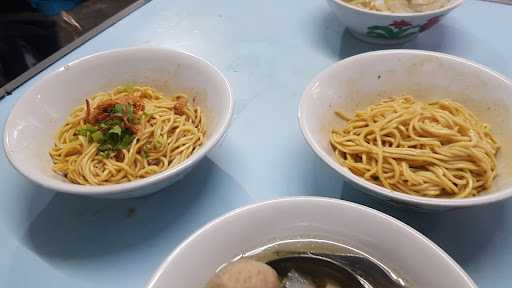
{"x": 269, "y": 50}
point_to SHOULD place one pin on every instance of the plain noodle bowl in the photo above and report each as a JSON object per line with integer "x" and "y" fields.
{"x": 437, "y": 149}
{"x": 129, "y": 133}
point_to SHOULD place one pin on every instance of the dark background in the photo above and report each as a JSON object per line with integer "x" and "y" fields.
{"x": 29, "y": 35}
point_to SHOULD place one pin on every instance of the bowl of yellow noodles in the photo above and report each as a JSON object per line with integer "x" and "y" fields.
{"x": 423, "y": 129}
{"x": 118, "y": 124}
{"x": 390, "y": 22}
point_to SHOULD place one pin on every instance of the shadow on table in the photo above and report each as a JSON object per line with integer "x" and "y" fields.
{"x": 462, "y": 233}
{"x": 438, "y": 40}
{"x": 441, "y": 38}
{"x": 326, "y": 32}
{"x": 75, "y": 228}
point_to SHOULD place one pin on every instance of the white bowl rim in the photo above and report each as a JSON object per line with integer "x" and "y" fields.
{"x": 451, "y": 6}
{"x": 211, "y": 225}
{"x": 112, "y": 189}
{"x": 402, "y": 197}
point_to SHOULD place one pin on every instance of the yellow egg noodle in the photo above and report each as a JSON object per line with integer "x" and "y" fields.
{"x": 437, "y": 149}
{"x": 129, "y": 133}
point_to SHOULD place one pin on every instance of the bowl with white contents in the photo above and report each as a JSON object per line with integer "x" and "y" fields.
{"x": 119, "y": 124}
{"x": 390, "y": 22}
{"x": 241, "y": 249}
{"x": 421, "y": 129}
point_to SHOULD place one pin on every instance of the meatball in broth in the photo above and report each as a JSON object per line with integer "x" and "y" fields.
{"x": 245, "y": 273}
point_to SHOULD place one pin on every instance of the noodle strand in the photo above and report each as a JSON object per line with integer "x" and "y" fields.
{"x": 169, "y": 130}
{"x": 438, "y": 149}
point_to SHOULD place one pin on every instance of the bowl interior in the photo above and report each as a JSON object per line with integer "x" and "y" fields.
{"x": 39, "y": 113}
{"x": 449, "y": 6}
{"x": 387, "y": 240}
{"x": 357, "y": 82}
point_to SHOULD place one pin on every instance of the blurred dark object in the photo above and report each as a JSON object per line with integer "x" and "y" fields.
{"x": 54, "y": 7}
{"x": 36, "y": 33}
{"x": 26, "y": 38}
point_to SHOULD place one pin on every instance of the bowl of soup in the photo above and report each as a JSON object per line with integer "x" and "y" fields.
{"x": 392, "y": 21}
{"x": 246, "y": 240}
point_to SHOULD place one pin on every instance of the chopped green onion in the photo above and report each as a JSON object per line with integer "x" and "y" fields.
{"x": 105, "y": 154}
{"x": 105, "y": 147}
{"x": 115, "y": 130}
{"x": 129, "y": 112}
{"x": 110, "y": 123}
{"x": 110, "y": 134}
{"x": 86, "y": 130}
{"x": 118, "y": 109}
{"x": 97, "y": 136}
{"x": 127, "y": 140}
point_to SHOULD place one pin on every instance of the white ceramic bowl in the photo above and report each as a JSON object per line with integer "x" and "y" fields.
{"x": 394, "y": 244}
{"x": 32, "y": 124}
{"x": 357, "y": 82}
{"x": 387, "y": 28}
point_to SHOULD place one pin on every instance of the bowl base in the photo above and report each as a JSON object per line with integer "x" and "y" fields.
{"x": 382, "y": 41}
